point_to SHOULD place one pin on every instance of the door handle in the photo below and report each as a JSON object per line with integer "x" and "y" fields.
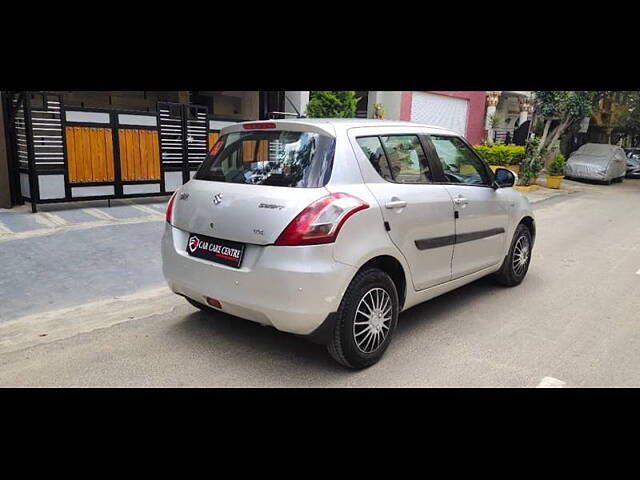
{"x": 396, "y": 203}
{"x": 461, "y": 201}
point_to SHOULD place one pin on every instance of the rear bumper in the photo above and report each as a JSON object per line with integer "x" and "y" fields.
{"x": 293, "y": 289}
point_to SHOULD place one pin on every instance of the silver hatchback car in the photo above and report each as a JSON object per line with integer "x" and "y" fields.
{"x": 331, "y": 228}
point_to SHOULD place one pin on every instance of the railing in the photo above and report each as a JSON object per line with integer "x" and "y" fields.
{"x": 503, "y": 135}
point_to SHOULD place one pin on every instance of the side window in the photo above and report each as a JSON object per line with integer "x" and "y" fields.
{"x": 373, "y": 150}
{"x": 459, "y": 163}
{"x": 397, "y": 158}
{"x": 407, "y": 159}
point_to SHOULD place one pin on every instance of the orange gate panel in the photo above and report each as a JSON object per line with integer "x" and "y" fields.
{"x": 213, "y": 138}
{"x": 89, "y": 154}
{"x": 139, "y": 154}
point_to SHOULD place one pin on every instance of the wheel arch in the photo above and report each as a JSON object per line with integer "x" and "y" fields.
{"x": 530, "y": 223}
{"x": 392, "y": 267}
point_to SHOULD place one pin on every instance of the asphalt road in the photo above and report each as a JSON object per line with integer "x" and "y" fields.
{"x": 575, "y": 321}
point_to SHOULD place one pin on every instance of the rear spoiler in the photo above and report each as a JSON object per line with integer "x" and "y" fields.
{"x": 286, "y": 125}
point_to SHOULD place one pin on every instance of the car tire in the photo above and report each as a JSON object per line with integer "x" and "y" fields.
{"x": 201, "y": 306}
{"x": 366, "y": 320}
{"x": 513, "y": 271}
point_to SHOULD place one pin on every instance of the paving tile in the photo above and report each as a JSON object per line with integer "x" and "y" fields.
{"x": 122, "y": 212}
{"x": 75, "y": 216}
{"x": 20, "y": 222}
{"x": 161, "y": 207}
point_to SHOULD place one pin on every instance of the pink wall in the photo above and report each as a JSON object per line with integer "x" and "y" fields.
{"x": 475, "y": 113}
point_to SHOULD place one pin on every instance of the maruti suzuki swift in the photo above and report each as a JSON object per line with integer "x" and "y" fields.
{"x": 330, "y": 228}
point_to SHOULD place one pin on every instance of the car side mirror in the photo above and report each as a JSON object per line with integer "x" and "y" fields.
{"x": 504, "y": 178}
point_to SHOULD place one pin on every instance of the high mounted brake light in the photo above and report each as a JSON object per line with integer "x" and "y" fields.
{"x": 321, "y": 221}
{"x": 258, "y": 126}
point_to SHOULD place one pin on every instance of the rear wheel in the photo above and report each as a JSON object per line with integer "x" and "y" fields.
{"x": 367, "y": 318}
{"x": 516, "y": 263}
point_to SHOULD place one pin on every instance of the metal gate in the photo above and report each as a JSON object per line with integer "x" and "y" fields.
{"x": 183, "y": 138}
{"x": 64, "y": 154}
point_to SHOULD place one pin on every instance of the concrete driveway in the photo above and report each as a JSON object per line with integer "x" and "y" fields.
{"x": 573, "y": 322}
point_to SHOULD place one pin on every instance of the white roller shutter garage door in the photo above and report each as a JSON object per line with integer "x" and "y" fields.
{"x": 440, "y": 111}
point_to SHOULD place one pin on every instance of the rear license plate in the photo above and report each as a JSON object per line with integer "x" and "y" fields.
{"x": 216, "y": 250}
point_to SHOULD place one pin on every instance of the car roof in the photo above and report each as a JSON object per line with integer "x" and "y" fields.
{"x": 332, "y": 125}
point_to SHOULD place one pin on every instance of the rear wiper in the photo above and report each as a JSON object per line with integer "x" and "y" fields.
{"x": 213, "y": 176}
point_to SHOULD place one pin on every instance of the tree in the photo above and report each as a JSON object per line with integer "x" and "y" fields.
{"x": 619, "y": 115}
{"x": 326, "y": 104}
{"x": 630, "y": 126}
{"x": 566, "y": 107}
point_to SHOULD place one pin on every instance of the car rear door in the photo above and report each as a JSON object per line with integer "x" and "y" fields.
{"x": 418, "y": 213}
{"x": 481, "y": 211}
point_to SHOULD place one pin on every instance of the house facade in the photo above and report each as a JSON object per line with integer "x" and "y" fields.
{"x": 62, "y": 146}
{"x": 506, "y": 112}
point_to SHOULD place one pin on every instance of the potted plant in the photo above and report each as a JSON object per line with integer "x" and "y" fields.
{"x": 556, "y": 171}
{"x": 531, "y": 166}
{"x": 378, "y": 111}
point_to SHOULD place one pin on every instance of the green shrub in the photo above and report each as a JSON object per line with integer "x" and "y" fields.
{"x": 326, "y": 104}
{"x": 556, "y": 167}
{"x": 501, "y": 155}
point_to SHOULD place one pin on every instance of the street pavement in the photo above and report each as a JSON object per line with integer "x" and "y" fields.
{"x": 574, "y": 322}
{"x": 74, "y": 253}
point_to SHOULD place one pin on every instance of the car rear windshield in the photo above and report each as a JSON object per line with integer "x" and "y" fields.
{"x": 274, "y": 158}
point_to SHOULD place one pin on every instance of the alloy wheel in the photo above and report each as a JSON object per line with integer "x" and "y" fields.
{"x": 521, "y": 255}
{"x": 372, "y": 320}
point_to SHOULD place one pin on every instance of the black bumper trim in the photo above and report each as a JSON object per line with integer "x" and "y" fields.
{"x": 322, "y": 334}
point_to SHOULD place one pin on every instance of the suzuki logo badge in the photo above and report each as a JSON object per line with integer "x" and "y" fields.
{"x": 217, "y": 199}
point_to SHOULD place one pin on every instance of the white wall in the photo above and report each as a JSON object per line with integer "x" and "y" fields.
{"x": 509, "y": 111}
{"x": 251, "y": 105}
{"x": 236, "y": 105}
{"x": 390, "y": 100}
{"x": 299, "y": 99}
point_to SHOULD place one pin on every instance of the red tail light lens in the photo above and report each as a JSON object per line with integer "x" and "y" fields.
{"x": 170, "y": 207}
{"x": 321, "y": 221}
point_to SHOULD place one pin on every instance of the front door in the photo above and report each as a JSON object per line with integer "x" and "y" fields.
{"x": 482, "y": 216}
{"x": 419, "y": 213}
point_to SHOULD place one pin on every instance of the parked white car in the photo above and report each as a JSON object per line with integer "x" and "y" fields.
{"x": 352, "y": 222}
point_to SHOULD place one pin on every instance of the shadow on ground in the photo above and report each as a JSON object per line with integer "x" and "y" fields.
{"x": 289, "y": 359}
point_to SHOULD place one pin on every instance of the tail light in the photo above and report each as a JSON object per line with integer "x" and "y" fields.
{"x": 321, "y": 221}
{"x": 170, "y": 207}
